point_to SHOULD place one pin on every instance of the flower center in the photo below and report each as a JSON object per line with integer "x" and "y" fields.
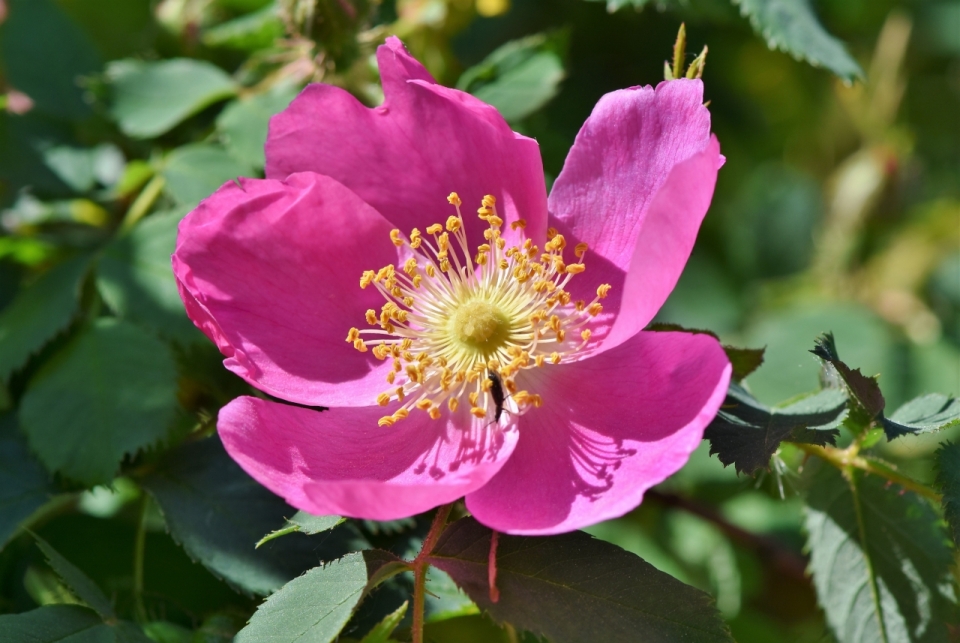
{"x": 462, "y": 325}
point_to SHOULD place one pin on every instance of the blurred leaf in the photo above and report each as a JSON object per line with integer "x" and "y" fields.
{"x": 879, "y": 559}
{"x": 745, "y": 433}
{"x": 792, "y": 27}
{"x": 381, "y": 633}
{"x": 78, "y": 582}
{"x": 864, "y": 390}
{"x": 195, "y": 171}
{"x": 118, "y": 29}
{"x": 45, "y": 54}
{"x": 24, "y": 485}
{"x": 257, "y": 30}
{"x": 136, "y": 280}
{"x": 39, "y": 312}
{"x": 573, "y": 588}
{"x": 948, "y": 481}
{"x": 243, "y": 123}
{"x": 217, "y": 513}
{"x": 167, "y": 632}
{"x": 924, "y": 414}
{"x": 151, "y": 98}
{"x": 314, "y": 607}
{"x": 82, "y": 168}
{"x": 109, "y": 393}
{"x": 520, "y": 77}
{"x": 66, "y": 624}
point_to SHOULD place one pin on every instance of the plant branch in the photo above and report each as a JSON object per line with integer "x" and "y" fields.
{"x": 420, "y": 565}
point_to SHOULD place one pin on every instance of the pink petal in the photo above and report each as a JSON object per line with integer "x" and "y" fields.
{"x": 611, "y": 427}
{"x": 406, "y": 156}
{"x": 270, "y": 271}
{"x": 340, "y": 462}
{"x": 636, "y": 186}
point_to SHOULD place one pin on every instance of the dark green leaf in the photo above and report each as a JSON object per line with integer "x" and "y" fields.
{"x": 382, "y": 631}
{"x": 948, "y": 481}
{"x": 45, "y": 54}
{"x": 314, "y": 607}
{"x": 745, "y": 433}
{"x": 572, "y": 588}
{"x": 924, "y": 414}
{"x": 792, "y": 27}
{"x": 879, "y": 559}
{"x": 151, "y": 98}
{"x": 194, "y": 172}
{"x": 136, "y": 280}
{"x": 109, "y": 393}
{"x": 39, "y": 312}
{"x": 24, "y": 485}
{"x": 862, "y": 388}
{"x": 520, "y": 77}
{"x": 218, "y": 513}
{"x": 257, "y": 30}
{"x": 243, "y": 123}
{"x": 65, "y": 624}
{"x": 78, "y": 582}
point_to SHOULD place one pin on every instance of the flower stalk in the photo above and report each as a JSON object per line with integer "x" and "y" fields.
{"x": 420, "y": 565}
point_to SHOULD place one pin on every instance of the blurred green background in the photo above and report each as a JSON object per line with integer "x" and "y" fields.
{"x": 838, "y": 209}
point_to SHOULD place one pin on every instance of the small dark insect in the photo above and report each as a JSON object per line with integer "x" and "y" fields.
{"x": 496, "y": 390}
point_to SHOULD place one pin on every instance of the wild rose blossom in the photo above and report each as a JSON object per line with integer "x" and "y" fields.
{"x": 498, "y": 356}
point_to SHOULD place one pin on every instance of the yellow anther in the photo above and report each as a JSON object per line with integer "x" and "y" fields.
{"x": 434, "y": 413}
{"x": 454, "y": 199}
{"x": 480, "y": 259}
{"x": 391, "y": 376}
{"x": 410, "y": 266}
{"x": 406, "y": 343}
{"x": 478, "y": 412}
{"x": 383, "y": 399}
{"x": 538, "y": 360}
{"x": 408, "y": 301}
{"x": 417, "y": 280}
{"x": 554, "y": 357}
{"x": 494, "y": 221}
{"x": 431, "y": 271}
{"x": 452, "y": 404}
{"x": 561, "y": 335}
{"x": 603, "y": 290}
{"x": 501, "y": 242}
{"x": 536, "y": 400}
{"x": 424, "y": 404}
{"x": 384, "y": 273}
{"x": 401, "y": 414}
{"x": 504, "y": 264}
{"x": 397, "y": 366}
{"x": 367, "y": 278}
{"x": 436, "y": 228}
{"x": 453, "y": 223}
{"x": 360, "y": 346}
{"x": 371, "y": 316}
{"x": 489, "y": 234}
{"x": 353, "y": 334}
{"x": 558, "y": 264}
{"x": 575, "y": 268}
{"x": 580, "y": 250}
{"x": 415, "y": 239}
{"x": 445, "y": 265}
{"x": 519, "y": 223}
{"x": 380, "y": 352}
{"x": 489, "y": 201}
{"x": 594, "y": 309}
{"x": 472, "y": 397}
{"x": 386, "y": 420}
{"x": 564, "y": 297}
{"x": 443, "y": 241}
{"x": 401, "y": 393}
{"x": 580, "y": 305}
{"x": 395, "y": 237}
{"x": 551, "y": 233}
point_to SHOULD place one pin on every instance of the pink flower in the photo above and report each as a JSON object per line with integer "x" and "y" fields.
{"x": 586, "y": 412}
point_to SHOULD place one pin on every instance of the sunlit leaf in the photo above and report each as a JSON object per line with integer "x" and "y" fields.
{"x": 792, "y": 27}
{"x": 879, "y": 559}
{"x": 109, "y": 393}
{"x": 925, "y": 414}
{"x": 151, "y": 98}
{"x": 573, "y": 588}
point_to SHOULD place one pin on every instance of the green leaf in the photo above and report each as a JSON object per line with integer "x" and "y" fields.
{"x": 136, "y": 280}
{"x": 218, "y": 513}
{"x": 81, "y": 169}
{"x": 151, "y": 98}
{"x": 243, "y": 123}
{"x": 314, "y": 607}
{"x": 257, "y": 30}
{"x": 746, "y": 433}
{"x": 382, "y": 631}
{"x": 572, "y": 587}
{"x": 863, "y": 389}
{"x": 78, "y": 582}
{"x": 45, "y": 55}
{"x": 194, "y": 172}
{"x": 110, "y": 392}
{"x": 879, "y": 559}
{"x": 66, "y": 624}
{"x": 924, "y": 414}
{"x": 304, "y": 523}
{"x": 948, "y": 482}
{"x": 520, "y": 77}
{"x": 39, "y": 312}
{"x": 24, "y": 485}
{"x": 792, "y": 27}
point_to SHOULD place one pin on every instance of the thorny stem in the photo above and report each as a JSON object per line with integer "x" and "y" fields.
{"x": 849, "y": 458}
{"x": 420, "y": 565}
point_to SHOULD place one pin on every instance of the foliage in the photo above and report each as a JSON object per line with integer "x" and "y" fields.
{"x": 123, "y": 519}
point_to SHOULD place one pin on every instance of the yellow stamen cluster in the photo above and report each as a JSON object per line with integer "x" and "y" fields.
{"x": 452, "y": 318}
